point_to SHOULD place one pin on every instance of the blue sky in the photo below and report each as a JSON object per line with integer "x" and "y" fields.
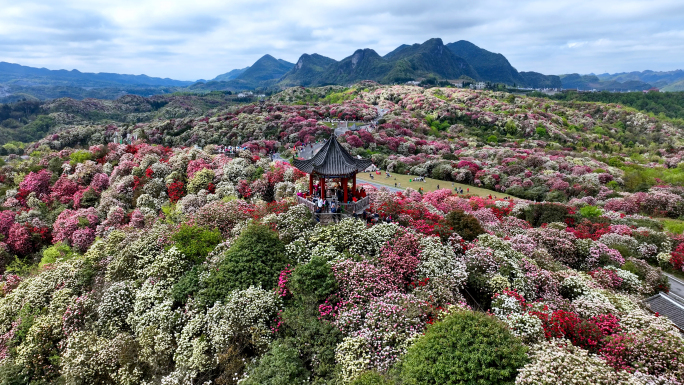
{"x": 201, "y": 39}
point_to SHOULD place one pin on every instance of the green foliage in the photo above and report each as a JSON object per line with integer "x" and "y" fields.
{"x": 80, "y": 156}
{"x": 12, "y": 373}
{"x": 371, "y": 378}
{"x": 315, "y": 339}
{"x": 52, "y": 254}
{"x": 639, "y": 178}
{"x": 634, "y": 269}
{"x": 41, "y": 124}
{"x": 590, "y": 212}
{"x": 313, "y": 280}
{"x": 492, "y": 139}
{"x": 196, "y": 242}
{"x": 675, "y": 227}
{"x": 256, "y": 258}
{"x": 465, "y": 225}
{"x": 186, "y": 286}
{"x": 200, "y": 180}
{"x": 436, "y": 124}
{"x": 339, "y": 97}
{"x": 466, "y": 348}
{"x": 540, "y": 213}
{"x": 671, "y": 104}
{"x": 279, "y": 366}
{"x": 541, "y": 131}
{"x": 90, "y": 198}
{"x": 510, "y": 127}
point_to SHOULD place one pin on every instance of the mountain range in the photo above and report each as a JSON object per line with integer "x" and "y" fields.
{"x": 29, "y": 76}
{"x": 459, "y": 60}
{"x": 431, "y": 59}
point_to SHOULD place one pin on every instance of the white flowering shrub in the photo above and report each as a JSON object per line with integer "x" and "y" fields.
{"x": 559, "y": 362}
{"x": 246, "y": 314}
{"x": 525, "y": 326}
{"x": 114, "y": 306}
{"x": 592, "y": 304}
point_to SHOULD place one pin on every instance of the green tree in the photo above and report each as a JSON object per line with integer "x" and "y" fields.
{"x": 279, "y": 366}
{"x": 256, "y": 258}
{"x": 463, "y": 224}
{"x": 196, "y": 242}
{"x": 466, "y": 348}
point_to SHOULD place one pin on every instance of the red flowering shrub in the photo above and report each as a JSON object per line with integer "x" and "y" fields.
{"x": 176, "y": 191}
{"x": 677, "y": 259}
{"x": 244, "y": 189}
{"x": 565, "y": 324}
{"x": 607, "y": 323}
{"x": 64, "y": 189}
{"x": 656, "y": 352}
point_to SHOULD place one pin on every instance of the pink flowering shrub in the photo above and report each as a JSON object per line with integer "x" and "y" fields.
{"x": 361, "y": 281}
{"x": 19, "y": 239}
{"x": 100, "y": 182}
{"x": 196, "y": 165}
{"x": 64, "y": 189}
{"x": 76, "y": 227}
{"x": 6, "y": 222}
{"x": 38, "y": 183}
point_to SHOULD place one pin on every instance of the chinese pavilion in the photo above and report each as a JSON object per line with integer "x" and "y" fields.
{"x": 333, "y": 162}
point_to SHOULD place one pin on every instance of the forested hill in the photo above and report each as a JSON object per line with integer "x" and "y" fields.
{"x": 668, "y": 104}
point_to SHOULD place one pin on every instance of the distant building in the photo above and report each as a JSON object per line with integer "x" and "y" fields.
{"x": 478, "y": 86}
{"x": 413, "y": 83}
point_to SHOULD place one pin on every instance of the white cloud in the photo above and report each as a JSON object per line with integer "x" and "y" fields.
{"x": 203, "y": 38}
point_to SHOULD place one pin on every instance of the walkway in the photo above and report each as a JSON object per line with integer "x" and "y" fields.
{"x": 308, "y": 152}
{"x": 379, "y": 185}
{"x": 676, "y": 285}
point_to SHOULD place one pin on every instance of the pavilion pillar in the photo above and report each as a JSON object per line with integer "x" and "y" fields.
{"x": 344, "y": 186}
{"x": 323, "y": 188}
{"x": 354, "y": 185}
{"x": 310, "y": 184}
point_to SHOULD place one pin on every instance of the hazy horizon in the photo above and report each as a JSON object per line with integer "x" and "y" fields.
{"x": 208, "y": 38}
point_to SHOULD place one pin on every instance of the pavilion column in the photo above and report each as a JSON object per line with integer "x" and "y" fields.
{"x": 323, "y": 188}
{"x": 311, "y": 184}
{"x": 344, "y": 186}
{"x": 354, "y": 185}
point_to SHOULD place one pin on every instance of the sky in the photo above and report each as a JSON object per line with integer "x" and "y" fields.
{"x": 200, "y": 39}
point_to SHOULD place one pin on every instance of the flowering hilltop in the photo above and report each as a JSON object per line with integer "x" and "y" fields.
{"x": 166, "y": 261}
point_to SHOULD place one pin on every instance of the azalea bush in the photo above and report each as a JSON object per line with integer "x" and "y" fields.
{"x": 163, "y": 260}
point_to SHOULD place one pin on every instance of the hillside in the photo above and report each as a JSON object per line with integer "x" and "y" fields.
{"x": 660, "y": 79}
{"x": 405, "y": 63}
{"x": 28, "y": 76}
{"x": 142, "y": 253}
{"x": 266, "y": 68}
{"x": 232, "y": 74}
{"x": 493, "y": 67}
{"x": 592, "y": 82}
{"x": 309, "y": 69}
{"x": 430, "y": 58}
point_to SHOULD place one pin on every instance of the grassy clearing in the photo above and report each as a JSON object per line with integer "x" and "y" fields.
{"x": 429, "y": 184}
{"x": 674, "y": 226}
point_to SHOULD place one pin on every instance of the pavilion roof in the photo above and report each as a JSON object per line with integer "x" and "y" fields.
{"x": 332, "y": 160}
